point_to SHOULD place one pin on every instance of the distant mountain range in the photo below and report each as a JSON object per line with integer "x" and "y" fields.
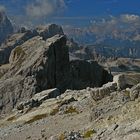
{"x": 123, "y": 28}
{"x": 110, "y": 37}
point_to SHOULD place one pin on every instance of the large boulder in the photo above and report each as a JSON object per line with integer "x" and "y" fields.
{"x": 87, "y": 74}
{"x": 102, "y": 92}
{"x": 6, "y": 27}
{"x": 126, "y": 80}
{"x": 135, "y": 92}
{"x": 46, "y": 94}
{"x": 38, "y": 99}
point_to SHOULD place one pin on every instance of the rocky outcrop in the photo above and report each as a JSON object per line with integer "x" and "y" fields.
{"x": 6, "y": 27}
{"x": 121, "y": 82}
{"x": 102, "y": 92}
{"x": 126, "y": 80}
{"x": 49, "y": 31}
{"x": 23, "y": 35}
{"x": 87, "y": 74}
{"x": 12, "y": 42}
{"x": 135, "y": 92}
{"x": 35, "y": 66}
{"x": 47, "y": 94}
{"x": 38, "y": 99}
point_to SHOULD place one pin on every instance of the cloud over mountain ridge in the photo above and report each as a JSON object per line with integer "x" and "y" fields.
{"x": 45, "y": 8}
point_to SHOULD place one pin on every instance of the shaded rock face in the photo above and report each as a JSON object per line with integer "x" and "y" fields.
{"x": 87, "y": 74}
{"x": 6, "y": 27}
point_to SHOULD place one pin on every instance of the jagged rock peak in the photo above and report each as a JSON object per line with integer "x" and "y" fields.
{"x": 6, "y": 27}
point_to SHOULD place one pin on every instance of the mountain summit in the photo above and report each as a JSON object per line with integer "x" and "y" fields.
{"x": 6, "y": 27}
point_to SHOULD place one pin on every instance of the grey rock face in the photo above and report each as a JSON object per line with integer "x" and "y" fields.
{"x": 6, "y": 27}
{"x": 87, "y": 74}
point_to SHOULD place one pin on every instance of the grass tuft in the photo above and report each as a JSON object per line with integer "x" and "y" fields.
{"x": 54, "y": 111}
{"x": 89, "y": 133}
{"x": 61, "y": 137}
{"x": 19, "y": 51}
{"x": 35, "y": 118}
{"x": 71, "y": 110}
{"x": 11, "y": 118}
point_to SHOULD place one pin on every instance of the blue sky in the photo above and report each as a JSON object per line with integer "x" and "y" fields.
{"x": 73, "y": 8}
{"x": 83, "y": 7}
{"x": 103, "y": 7}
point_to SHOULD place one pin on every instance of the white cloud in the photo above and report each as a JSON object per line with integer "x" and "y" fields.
{"x": 45, "y": 8}
{"x": 130, "y": 18}
{"x": 116, "y": 27}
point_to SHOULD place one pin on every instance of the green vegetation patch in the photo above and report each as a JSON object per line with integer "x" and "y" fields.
{"x": 35, "y": 118}
{"x": 19, "y": 54}
{"x": 11, "y": 118}
{"x": 61, "y": 137}
{"x": 126, "y": 93}
{"x": 1, "y": 75}
{"x": 54, "y": 111}
{"x": 89, "y": 133}
{"x": 19, "y": 51}
{"x": 71, "y": 110}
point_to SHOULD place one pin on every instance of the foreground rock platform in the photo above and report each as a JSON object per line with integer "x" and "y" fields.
{"x": 76, "y": 114}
